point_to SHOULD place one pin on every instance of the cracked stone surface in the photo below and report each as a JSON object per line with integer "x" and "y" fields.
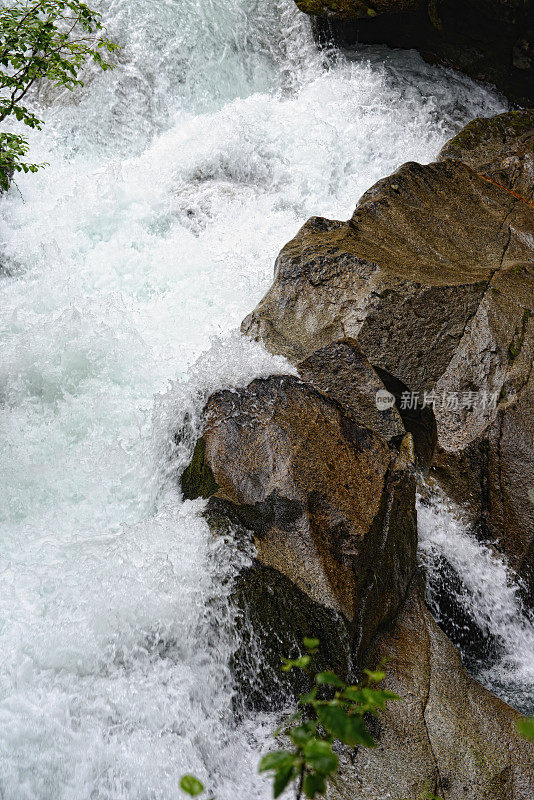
{"x": 328, "y": 501}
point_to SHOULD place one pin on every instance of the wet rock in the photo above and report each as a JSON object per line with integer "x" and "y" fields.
{"x": 327, "y": 500}
{"x": 500, "y": 148}
{"x": 448, "y": 735}
{"x": 417, "y": 417}
{"x": 341, "y": 372}
{"x": 486, "y": 455}
{"x": 433, "y": 276}
{"x": 490, "y": 40}
{"x": 404, "y": 276}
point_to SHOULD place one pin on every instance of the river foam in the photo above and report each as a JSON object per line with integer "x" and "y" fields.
{"x": 172, "y": 185}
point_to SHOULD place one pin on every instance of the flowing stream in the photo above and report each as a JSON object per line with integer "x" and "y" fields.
{"x": 126, "y": 267}
{"x": 487, "y": 619}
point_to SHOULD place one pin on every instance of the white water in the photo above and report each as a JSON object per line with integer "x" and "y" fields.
{"x": 488, "y": 594}
{"x": 172, "y": 185}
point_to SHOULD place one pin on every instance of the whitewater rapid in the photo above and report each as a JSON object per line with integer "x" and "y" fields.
{"x": 126, "y": 268}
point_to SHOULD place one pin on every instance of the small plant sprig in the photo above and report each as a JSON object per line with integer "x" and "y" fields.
{"x": 192, "y": 786}
{"x": 330, "y": 712}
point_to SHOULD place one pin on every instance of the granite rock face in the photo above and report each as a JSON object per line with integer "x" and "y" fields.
{"x": 427, "y": 290}
{"x": 434, "y": 277}
{"x": 500, "y": 148}
{"x": 322, "y": 482}
{"x": 328, "y": 500}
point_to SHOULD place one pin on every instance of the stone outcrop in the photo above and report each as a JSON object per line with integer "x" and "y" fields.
{"x": 448, "y": 735}
{"x": 500, "y": 148}
{"x": 490, "y": 40}
{"x": 428, "y": 289}
{"x": 434, "y": 277}
{"x": 342, "y": 373}
{"x": 403, "y": 276}
{"x": 324, "y": 484}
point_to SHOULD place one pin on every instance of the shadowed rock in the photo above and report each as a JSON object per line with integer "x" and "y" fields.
{"x": 341, "y": 372}
{"x": 328, "y": 501}
{"x": 490, "y": 40}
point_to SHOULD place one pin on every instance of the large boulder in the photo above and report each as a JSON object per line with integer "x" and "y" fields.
{"x": 490, "y": 40}
{"x": 403, "y": 276}
{"x": 447, "y": 736}
{"x": 500, "y": 148}
{"x": 434, "y": 277}
{"x": 326, "y": 493}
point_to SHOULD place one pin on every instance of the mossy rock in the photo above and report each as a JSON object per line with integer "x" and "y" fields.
{"x": 197, "y": 478}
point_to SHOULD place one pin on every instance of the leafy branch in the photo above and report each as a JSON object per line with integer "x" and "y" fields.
{"x": 331, "y": 712}
{"x": 50, "y": 40}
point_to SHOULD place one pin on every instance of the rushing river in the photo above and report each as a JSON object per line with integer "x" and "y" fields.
{"x": 126, "y": 267}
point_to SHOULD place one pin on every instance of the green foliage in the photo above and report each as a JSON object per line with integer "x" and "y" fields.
{"x": 525, "y": 728}
{"x": 190, "y": 785}
{"x": 49, "y": 40}
{"x": 330, "y": 712}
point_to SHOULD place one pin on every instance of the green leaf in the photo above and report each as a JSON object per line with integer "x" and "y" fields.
{"x": 298, "y": 663}
{"x": 350, "y": 730}
{"x": 282, "y": 777}
{"x": 191, "y": 786}
{"x": 275, "y": 760}
{"x": 369, "y": 699}
{"x": 375, "y": 676}
{"x": 334, "y": 719}
{"x": 319, "y": 755}
{"x": 310, "y": 644}
{"x": 302, "y": 733}
{"x": 357, "y": 732}
{"x": 314, "y": 784}
{"x": 525, "y": 728}
{"x": 353, "y": 693}
{"x": 329, "y": 678}
{"x": 308, "y": 698}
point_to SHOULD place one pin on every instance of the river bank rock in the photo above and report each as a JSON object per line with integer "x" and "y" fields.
{"x": 448, "y": 735}
{"x": 328, "y": 500}
{"x": 490, "y": 41}
{"x": 403, "y": 276}
{"x": 500, "y": 148}
{"x": 433, "y": 276}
